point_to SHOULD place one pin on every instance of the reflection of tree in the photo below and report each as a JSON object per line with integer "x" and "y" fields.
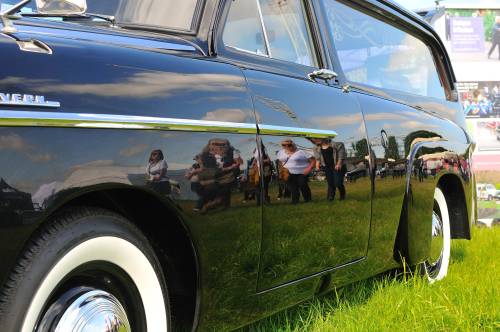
{"x": 360, "y": 149}
{"x": 419, "y": 134}
{"x": 392, "y": 149}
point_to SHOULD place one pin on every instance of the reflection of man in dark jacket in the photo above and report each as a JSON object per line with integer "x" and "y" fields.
{"x": 495, "y": 40}
{"x": 330, "y": 157}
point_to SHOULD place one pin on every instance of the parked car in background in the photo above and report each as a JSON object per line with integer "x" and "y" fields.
{"x": 125, "y": 127}
{"x": 486, "y": 191}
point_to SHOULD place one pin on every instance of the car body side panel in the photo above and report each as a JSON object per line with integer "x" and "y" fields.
{"x": 43, "y": 168}
{"x": 429, "y": 162}
{"x": 412, "y": 149}
{"x": 108, "y": 72}
{"x": 323, "y": 233}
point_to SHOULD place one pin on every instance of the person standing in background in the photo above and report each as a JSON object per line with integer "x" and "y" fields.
{"x": 495, "y": 38}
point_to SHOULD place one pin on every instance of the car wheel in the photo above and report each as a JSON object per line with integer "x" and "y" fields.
{"x": 436, "y": 266}
{"x": 87, "y": 269}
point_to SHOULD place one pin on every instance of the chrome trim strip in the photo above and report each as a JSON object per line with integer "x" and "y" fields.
{"x": 45, "y": 104}
{"x": 295, "y": 131}
{"x": 110, "y": 121}
{"x": 315, "y": 275}
{"x": 113, "y": 121}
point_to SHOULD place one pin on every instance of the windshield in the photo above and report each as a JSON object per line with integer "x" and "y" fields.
{"x": 169, "y": 14}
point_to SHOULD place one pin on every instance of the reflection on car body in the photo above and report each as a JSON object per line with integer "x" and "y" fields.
{"x": 204, "y": 167}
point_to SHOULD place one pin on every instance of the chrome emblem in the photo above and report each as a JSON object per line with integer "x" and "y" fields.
{"x": 16, "y": 99}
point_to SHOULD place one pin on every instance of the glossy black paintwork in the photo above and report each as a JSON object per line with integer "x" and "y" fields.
{"x": 253, "y": 258}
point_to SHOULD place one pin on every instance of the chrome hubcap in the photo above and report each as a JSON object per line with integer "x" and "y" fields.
{"x": 94, "y": 311}
{"x": 437, "y": 240}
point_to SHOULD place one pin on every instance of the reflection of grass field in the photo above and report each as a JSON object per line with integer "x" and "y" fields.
{"x": 488, "y": 209}
{"x": 467, "y": 300}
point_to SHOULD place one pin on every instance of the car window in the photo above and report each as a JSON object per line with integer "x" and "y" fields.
{"x": 169, "y": 14}
{"x": 243, "y": 29}
{"x": 378, "y": 54}
{"x": 164, "y": 13}
{"x": 287, "y": 31}
{"x": 7, "y": 4}
{"x": 274, "y": 28}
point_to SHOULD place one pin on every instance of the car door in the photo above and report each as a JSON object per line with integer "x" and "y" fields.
{"x": 403, "y": 91}
{"x": 301, "y": 108}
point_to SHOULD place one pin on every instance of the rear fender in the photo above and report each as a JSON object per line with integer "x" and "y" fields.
{"x": 428, "y": 163}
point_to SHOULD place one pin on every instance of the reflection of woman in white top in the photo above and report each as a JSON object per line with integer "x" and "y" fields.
{"x": 157, "y": 172}
{"x": 299, "y": 164}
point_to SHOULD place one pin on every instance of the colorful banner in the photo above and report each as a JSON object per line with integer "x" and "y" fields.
{"x": 467, "y": 34}
{"x": 480, "y": 99}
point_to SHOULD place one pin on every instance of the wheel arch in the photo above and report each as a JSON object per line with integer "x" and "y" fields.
{"x": 172, "y": 241}
{"x": 454, "y": 190}
{"x": 413, "y": 236}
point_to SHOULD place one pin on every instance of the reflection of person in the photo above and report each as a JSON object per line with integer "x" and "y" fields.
{"x": 220, "y": 166}
{"x": 157, "y": 172}
{"x": 420, "y": 167}
{"x": 229, "y": 165}
{"x": 299, "y": 165}
{"x": 250, "y": 180}
{"x": 267, "y": 168}
{"x": 330, "y": 157}
{"x": 495, "y": 38}
{"x": 447, "y": 27}
{"x": 283, "y": 191}
{"x": 193, "y": 176}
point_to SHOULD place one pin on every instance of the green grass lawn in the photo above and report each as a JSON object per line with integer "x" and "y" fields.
{"x": 468, "y": 299}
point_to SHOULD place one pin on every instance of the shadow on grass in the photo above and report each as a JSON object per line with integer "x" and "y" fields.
{"x": 304, "y": 317}
{"x": 458, "y": 252}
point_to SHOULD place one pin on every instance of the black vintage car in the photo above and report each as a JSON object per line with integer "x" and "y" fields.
{"x": 163, "y": 150}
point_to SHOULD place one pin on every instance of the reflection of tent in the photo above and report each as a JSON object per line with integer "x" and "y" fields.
{"x": 45, "y": 192}
{"x": 86, "y": 176}
{"x": 5, "y": 188}
{"x": 13, "y": 199}
{"x": 438, "y": 156}
{"x": 92, "y": 175}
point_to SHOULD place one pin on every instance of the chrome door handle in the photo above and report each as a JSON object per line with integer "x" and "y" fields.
{"x": 295, "y": 131}
{"x": 324, "y": 74}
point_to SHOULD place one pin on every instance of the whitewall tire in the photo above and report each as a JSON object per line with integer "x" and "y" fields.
{"x": 436, "y": 266}
{"x": 88, "y": 257}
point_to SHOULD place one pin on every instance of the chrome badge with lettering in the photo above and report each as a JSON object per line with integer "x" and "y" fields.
{"x": 26, "y": 100}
